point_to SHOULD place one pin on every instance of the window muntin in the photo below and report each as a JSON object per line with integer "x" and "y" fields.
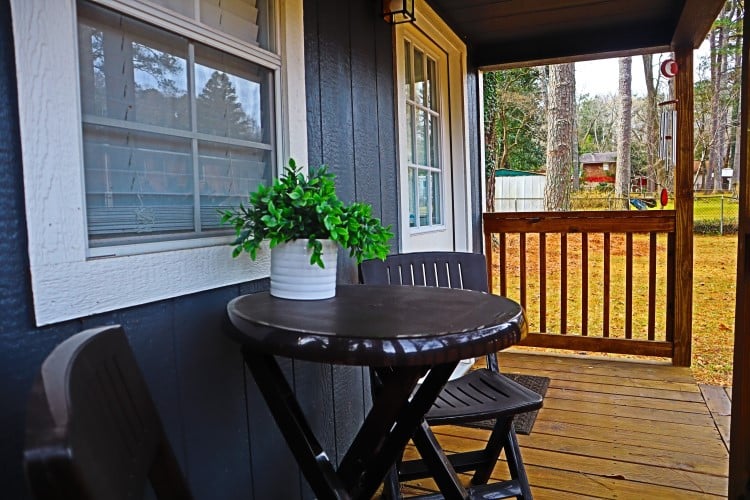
{"x": 173, "y": 130}
{"x": 424, "y": 162}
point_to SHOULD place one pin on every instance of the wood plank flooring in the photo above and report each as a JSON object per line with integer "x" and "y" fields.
{"x": 614, "y": 429}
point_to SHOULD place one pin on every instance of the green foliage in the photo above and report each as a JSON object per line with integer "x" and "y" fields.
{"x": 513, "y": 117}
{"x": 298, "y": 207}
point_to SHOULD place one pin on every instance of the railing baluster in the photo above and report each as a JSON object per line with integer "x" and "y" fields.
{"x": 606, "y": 285}
{"x": 652, "y": 287}
{"x": 584, "y": 284}
{"x": 563, "y": 283}
{"x": 671, "y": 269}
{"x": 490, "y": 258}
{"x": 629, "y": 286}
{"x": 522, "y": 267}
{"x": 503, "y": 277}
{"x": 542, "y": 282}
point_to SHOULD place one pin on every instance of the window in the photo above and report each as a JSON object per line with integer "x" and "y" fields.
{"x": 139, "y": 119}
{"x": 423, "y": 138}
{"x": 173, "y": 130}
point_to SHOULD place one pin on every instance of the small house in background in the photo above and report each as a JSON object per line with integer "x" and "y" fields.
{"x": 597, "y": 168}
{"x": 519, "y": 191}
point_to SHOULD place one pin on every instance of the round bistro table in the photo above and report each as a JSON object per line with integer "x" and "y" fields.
{"x": 401, "y": 332}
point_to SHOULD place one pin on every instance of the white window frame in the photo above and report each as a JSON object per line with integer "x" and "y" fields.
{"x": 67, "y": 280}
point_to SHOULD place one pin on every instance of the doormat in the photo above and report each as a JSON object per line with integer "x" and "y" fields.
{"x": 523, "y": 422}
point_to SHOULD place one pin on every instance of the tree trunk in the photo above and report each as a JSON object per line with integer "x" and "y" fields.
{"x": 574, "y": 141}
{"x": 624, "y": 120}
{"x": 490, "y": 160}
{"x": 652, "y": 124}
{"x": 713, "y": 172}
{"x": 560, "y": 123}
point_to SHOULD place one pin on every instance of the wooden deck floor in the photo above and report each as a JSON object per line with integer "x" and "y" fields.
{"x": 615, "y": 429}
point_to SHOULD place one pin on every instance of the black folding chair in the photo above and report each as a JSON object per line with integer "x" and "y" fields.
{"x": 478, "y": 395}
{"x": 92, "y": 430}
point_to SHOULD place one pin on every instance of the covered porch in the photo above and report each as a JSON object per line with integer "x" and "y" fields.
{"x": 611, "y": 429}
{"x": 615, "y": 428}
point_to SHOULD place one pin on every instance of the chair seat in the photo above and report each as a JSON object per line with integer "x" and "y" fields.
{"x": 481, "y": 394}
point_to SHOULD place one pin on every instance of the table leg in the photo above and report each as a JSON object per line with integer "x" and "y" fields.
{"x": 392, "y": 421}
{"x": 438, "y": 464}
{"x": 310, "y": 455}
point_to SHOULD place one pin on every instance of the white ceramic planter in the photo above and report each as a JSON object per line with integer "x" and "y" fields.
{"x": 293, "y": 277}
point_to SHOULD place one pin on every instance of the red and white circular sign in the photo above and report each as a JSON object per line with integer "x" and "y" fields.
{"x": 669, "y": 68}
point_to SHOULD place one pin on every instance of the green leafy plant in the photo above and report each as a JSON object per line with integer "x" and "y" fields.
{"x": 298, "y": 207}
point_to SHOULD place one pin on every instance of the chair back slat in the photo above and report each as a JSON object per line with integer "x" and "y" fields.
{"x": 445, "y": 269}
{"x": 463, "y": 270}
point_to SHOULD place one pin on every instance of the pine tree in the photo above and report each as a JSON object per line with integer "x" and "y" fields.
{"x": 219, "y": 110}
{"x": 560, "y": 129}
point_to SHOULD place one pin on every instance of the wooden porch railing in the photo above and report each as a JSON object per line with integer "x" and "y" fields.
{"x": 513, "y": 240}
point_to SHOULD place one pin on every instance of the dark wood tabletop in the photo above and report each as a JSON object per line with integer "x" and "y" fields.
{"x": 379, "y": 325}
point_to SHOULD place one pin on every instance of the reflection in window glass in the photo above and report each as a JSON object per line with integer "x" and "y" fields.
{"x": 424, "y": 195}
{"x": 172, "y": 130}
{"x": 423, "y": 139}
{"x": 226, "y": 175}
{"x": 229, "y": 95}
{"x": 419, "y": 80}
{"x": 437, "y": 204}
{"x": 131, "y": 71}
{"x": 410, "y": 133}
{"x": 136, "y": 182}
{"x": 431, "y": 85}
{"x": 409, "y": 90}
{"x": 422, "y": 136}
{"x": 412, "y": 197}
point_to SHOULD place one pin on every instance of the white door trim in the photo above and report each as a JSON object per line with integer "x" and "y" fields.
{"x": 433, "y": 27}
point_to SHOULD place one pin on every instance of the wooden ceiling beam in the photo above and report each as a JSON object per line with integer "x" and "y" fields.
{"x": 695, "y": 21}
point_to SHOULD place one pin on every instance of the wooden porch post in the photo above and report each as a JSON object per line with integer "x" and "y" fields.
{"x": 739, "y": 454}
{"x": 683, "y": 189}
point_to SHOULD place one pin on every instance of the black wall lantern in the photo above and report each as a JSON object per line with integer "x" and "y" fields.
{"x": 398, "y": 11}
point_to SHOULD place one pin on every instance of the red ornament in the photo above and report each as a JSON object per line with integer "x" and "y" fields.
{"x": 664, "y": 199}
{"x": 669, "y": 68}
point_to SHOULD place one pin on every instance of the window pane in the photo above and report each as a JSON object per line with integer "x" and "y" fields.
{"x": 407, "y": 71}
{"x": 412, "y": 197}
{"x": 136, "y": 183}
{"x": 410, "y": 133}
{"x": 423, "y": 180}
{"x": 422, "y": 136}
{"x": 180, "y": 6}
{"x": 227, "y": 175}
{"x": 152, "y": 171}
{"x": 131, "y": 71}
{"x": 437, "y": 203}
{"x": 431, "y": 85}
{"x": 419, "y": 76}
{"x": 233, "y": 96}
{"x": 233, "y": 17}
{"x": 434, "y": 142}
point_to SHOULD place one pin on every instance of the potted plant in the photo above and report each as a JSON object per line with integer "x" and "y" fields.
{"x": 305, "y": 222}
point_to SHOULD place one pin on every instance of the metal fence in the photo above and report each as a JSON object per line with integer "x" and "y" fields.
{"x": 712, "y": 214}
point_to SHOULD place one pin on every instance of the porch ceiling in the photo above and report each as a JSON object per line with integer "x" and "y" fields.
{"x": 519, "y": 32}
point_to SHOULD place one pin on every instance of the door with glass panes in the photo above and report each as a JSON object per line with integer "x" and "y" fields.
{"x": 426, "y": 190}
